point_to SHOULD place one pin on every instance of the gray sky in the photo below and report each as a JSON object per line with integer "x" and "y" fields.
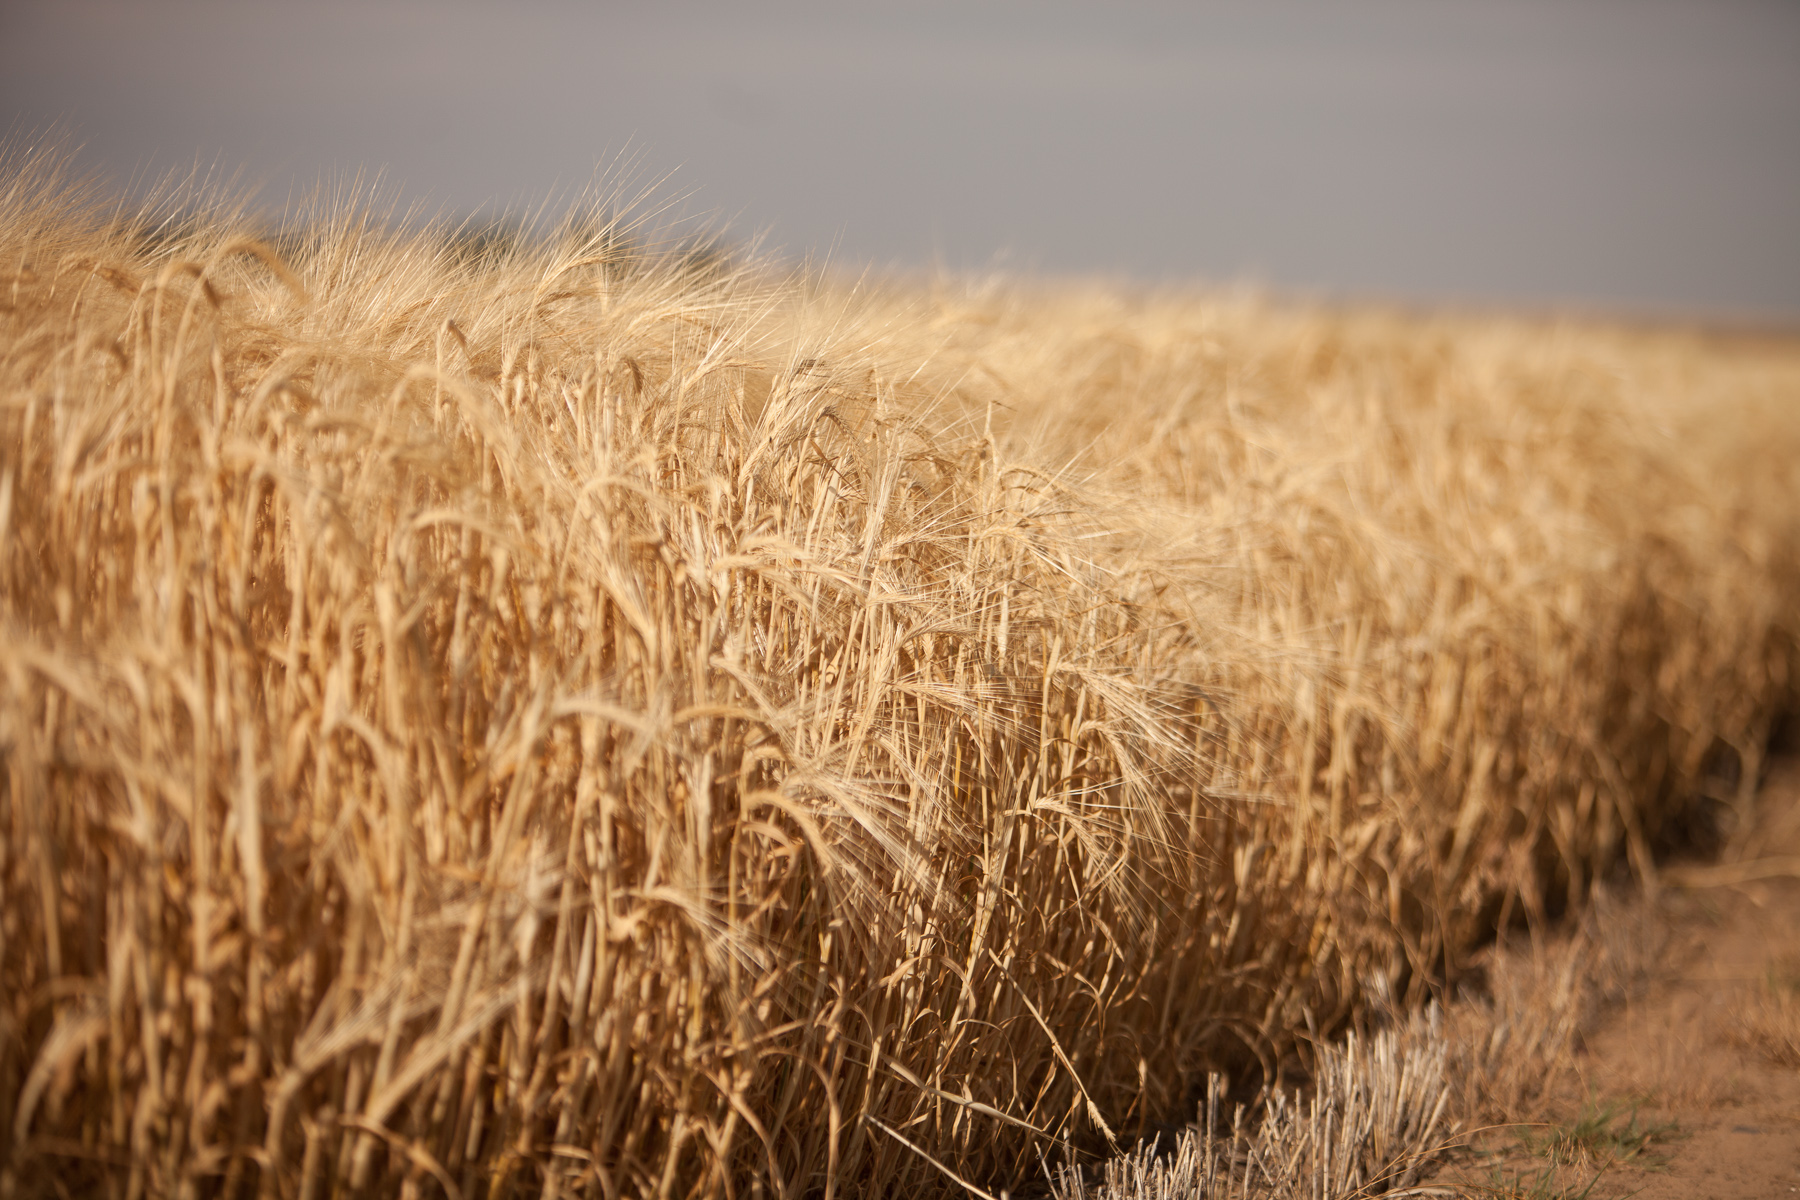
{"x": 1623, "y": 153}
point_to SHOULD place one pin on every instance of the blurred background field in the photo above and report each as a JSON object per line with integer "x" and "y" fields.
{"x": 557, "y": 715}
{"x": 1611, "y": 156}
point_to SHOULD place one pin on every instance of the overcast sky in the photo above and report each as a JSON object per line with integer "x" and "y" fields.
{"x": 1616, "y": 153}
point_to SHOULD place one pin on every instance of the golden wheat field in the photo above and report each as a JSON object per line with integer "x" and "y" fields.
{"x": 560, "y": 718}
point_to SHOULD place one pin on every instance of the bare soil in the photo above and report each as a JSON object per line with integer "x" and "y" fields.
{"x": 1690, "y": 1084}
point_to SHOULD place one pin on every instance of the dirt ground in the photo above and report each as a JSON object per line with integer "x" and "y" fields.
{"x": 1688, "y": 1086}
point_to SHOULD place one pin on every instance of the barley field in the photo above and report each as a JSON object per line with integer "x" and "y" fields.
{"x": 563, "y": 717}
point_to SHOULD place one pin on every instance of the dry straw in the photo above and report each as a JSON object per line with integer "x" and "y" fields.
{"x": 1375, "y": 1118}
{"x": 560, "y": 719}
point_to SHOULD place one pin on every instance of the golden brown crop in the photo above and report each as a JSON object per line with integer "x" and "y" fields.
{"x": 582, "y": 722}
